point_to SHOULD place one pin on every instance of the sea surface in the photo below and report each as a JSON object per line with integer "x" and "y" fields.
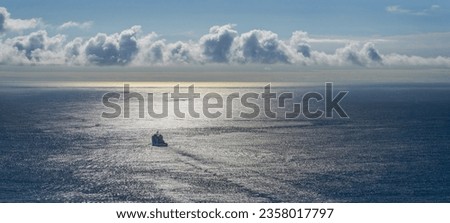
{"x": 394, "y": 147}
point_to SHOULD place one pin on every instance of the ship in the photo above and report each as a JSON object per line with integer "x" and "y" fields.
{"x": 158, "y": 140}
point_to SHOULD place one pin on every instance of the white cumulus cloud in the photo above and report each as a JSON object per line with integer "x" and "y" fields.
{"x": 72, "y": 24}
{"x": 396, "y": 9}
{"x": 9, "y": 24}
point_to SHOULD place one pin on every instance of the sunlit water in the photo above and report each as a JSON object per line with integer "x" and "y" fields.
{"x": 56, "y": 147}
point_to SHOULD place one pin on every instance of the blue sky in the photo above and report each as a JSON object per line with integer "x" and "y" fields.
{"x": 161, "y": 32}
{"x": 194, "y": 17}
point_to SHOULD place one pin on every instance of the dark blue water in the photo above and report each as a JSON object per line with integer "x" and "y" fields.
{"x": 395, "y": 147}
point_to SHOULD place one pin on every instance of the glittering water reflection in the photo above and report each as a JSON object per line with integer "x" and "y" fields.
{"x": 64, "y": 151}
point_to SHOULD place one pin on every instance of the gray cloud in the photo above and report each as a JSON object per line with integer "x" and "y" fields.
{"x": 299, "y": 41}
{"x": 352, "y": 53}
{"x": 116, "y": 49}
{"x": 180, "y": 52}
{"x": 151, "y": 51}
{"x": 261, "y": 46}
{"x": 156, "y": 52}
{"x": 372, "y": 53}
{"x": 102, "y": 50}
{"x": 304, "y": 49}
{"x": 217, "y": 44}
{"x": 256, "y": 46}
{"x": 73, "y": 51}
{"x": 37, "y": 47}
{"x": 31, "y": 43}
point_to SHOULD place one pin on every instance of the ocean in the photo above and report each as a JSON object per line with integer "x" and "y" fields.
{"x": 394, "y": 147}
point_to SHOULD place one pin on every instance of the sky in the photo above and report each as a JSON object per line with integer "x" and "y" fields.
{"x": 357, "y": 33}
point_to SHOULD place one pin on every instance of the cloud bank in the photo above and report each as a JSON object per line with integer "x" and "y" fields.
{"x": 221, "y": 45}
